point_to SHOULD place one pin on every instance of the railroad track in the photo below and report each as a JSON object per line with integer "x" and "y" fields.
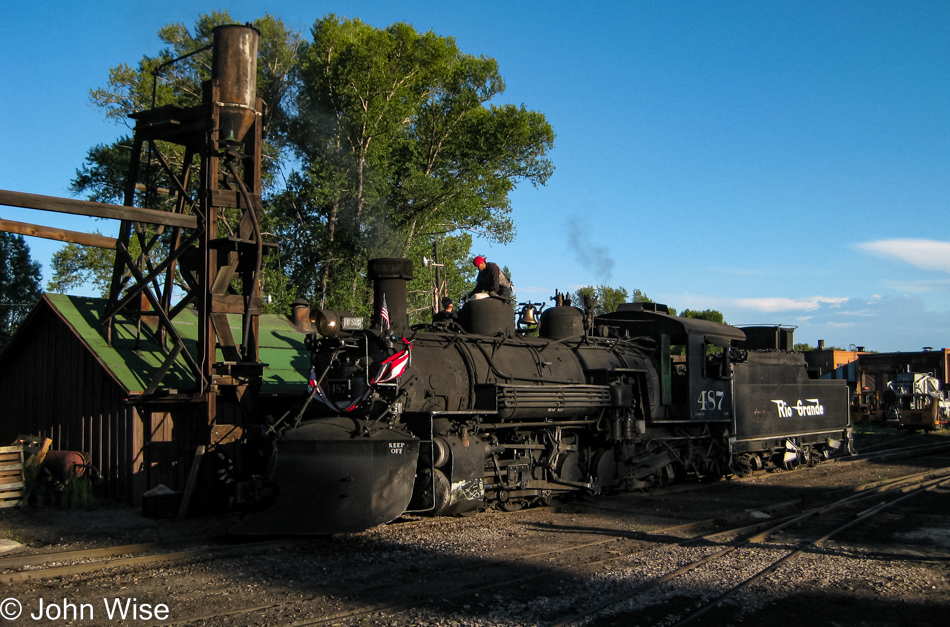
{"x": 898, "y": 490}
{"x": 897, "y": 452}
{"x": 464, "y": 587}
{"x": 568, "y": 563}
{"x": 346, "y": 602}
{"x": 67, "y": 563}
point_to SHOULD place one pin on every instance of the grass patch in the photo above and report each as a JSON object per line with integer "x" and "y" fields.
{"x": 72, "y": 492}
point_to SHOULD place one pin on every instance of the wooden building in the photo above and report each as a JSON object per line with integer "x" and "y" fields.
{"x": 60, "y": 379}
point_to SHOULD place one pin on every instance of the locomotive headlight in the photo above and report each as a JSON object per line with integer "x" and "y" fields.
{"x": 325, "y": 321}
{"x": 332, "y": 323}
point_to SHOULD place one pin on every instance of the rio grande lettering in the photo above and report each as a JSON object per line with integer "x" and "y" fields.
{"x": 800, "y": 410}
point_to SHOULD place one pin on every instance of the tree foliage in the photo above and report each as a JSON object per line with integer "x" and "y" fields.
{"x": 804, "y": 347}
{"x": 156, "y": 81}
{"x": 74, "y": 266}
{"x": 379, "y": 143}
{"x": 398, "y": 145}
{"x": 606, "y": 298}
{"x": 458, "y": 274}
{"x": 19, "y": 284}
{"x": 707, "y": 314}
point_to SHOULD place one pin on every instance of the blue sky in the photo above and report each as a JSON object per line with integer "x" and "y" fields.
{"x": 780, "y": 162}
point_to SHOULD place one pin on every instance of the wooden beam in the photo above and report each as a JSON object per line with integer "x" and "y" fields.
{"x": 192, "y": 481}
{"x": 62, "y": 235}
{"x": 95, "y": 209}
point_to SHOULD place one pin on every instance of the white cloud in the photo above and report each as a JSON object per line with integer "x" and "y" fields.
{"x": 777, "y": 303}
{"x": 882, "y": 323}
{"x": 840, "y": 325}
{"x": 923, "y": 253}
{"x": 920, "y": 287}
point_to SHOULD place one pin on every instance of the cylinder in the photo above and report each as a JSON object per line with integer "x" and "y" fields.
{"x": 488, "y": 316}
{"x": 234, "y": 68}
{"x": 389, "y": 277}
{"x": 63, "y": 464}
{"x": 559, "y": 323}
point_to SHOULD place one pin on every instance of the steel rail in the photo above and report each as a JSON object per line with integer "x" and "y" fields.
{"x": 877, "y": 509}
{"x": 154, "y": 558}
{"x": 464, "y": 588}
{"x": 38, "y": 559}
{"x": 507, "y": 580}
{"x": 895, "y": 485}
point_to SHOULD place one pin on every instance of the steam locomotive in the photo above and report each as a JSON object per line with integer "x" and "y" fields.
{"x": 451, "y": 417}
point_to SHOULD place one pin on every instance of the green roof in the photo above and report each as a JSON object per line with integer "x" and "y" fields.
{"x": 135, "y": 355}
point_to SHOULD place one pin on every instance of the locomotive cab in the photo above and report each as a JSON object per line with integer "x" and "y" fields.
{"x": 693, "y": 355}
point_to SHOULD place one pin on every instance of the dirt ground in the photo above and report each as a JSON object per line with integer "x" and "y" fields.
{"x": 893, "y": 570}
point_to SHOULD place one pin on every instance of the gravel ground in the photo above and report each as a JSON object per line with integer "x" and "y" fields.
{"x": 895, "y": 569}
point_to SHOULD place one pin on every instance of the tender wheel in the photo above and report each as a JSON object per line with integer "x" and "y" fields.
{"x": 742, "y": 467}
{"x": 509, "y": 505}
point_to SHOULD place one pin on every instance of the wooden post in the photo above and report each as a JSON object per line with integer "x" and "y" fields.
{"x": 192, "y": 480}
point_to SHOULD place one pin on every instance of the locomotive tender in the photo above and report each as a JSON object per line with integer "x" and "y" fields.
{"x": 448, "y": 418}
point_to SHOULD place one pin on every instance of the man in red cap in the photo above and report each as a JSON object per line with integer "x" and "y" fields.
{"x": 491, "y": 279}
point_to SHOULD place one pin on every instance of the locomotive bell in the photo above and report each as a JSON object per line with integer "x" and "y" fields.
{"x": 528, "y": 316}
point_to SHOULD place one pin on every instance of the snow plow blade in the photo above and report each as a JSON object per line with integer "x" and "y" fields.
{"x": 331, "y": 478}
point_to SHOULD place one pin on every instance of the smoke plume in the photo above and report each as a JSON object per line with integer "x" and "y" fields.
{"x": 592, "y": 257}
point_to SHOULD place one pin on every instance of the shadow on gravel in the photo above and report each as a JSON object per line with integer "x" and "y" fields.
{"x": 457, "y": 571}
{"x": 842, "y": 609}
{"x": 461, "y": 571}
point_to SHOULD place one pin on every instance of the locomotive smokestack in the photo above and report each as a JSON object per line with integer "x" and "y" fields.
{"x": 389, "y": 277}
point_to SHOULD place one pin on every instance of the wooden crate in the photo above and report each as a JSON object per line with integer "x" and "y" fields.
{"x": 11, "y": 475}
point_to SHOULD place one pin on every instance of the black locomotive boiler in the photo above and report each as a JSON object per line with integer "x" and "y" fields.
{"x": 451, "y": 417}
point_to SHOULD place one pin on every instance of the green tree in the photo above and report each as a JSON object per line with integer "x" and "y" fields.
{"x": 801, "y": 347}
{"x": 157, "y": 82}
{"x": 74, "y": 266}
{"x": 398, "y": 145}
{"x": 378, "y": 143}
{"x": 606, "y": 298}
{"x": 707, "y": 314}
{"x": 19, "y": 284}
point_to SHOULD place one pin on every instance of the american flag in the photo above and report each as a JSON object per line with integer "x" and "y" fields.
{"x": 384, "y": 315}
{"x": 393, "y": 366}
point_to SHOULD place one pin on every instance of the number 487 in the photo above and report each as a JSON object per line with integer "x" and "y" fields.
{"x": 711, "y": 400}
